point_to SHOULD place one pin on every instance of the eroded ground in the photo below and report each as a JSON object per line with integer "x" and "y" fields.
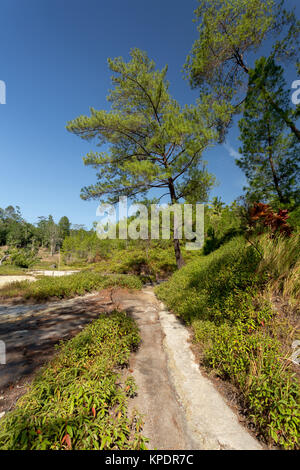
{"x": 31, "y": 331}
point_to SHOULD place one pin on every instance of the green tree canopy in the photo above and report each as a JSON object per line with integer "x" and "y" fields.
{"x": 152, "y": 142}
{"x": 270, "y": 153}
{"x": 64, "y": 226}
{"x": 229, "y": 31}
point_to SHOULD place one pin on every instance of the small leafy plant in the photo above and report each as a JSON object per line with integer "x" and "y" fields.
{"x": 76, "y": 402}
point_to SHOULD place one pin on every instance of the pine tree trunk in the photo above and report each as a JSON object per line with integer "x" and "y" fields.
{"x": 275, "y": 177}
{"x": 176, "y": 241}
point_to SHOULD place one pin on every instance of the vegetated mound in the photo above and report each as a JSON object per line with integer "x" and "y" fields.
{"x": 222, "y": 297}
{"x": 80, "y": 283}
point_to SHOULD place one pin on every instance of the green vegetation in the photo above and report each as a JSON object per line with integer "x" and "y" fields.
{"x": 269, "y": 153}
{"x": 240, "y": 293}
{"x": 230, "y": 31}
{"x": 77, "y": 401}
{"x": 67, "y": 286}
{"x": 9, "y": 270}
{"x": 236, "y": 326}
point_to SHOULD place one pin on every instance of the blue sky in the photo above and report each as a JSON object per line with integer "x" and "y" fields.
{"x": 54, "y": 63}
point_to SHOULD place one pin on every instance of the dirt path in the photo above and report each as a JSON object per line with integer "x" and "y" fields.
{"x": 181, "y": 408}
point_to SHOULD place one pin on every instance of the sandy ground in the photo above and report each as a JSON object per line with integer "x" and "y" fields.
{"x": 4, "y": 280}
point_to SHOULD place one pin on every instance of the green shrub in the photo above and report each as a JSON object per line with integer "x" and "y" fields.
{"x": 67, "y": 286}
{"x": 22, "y": 257}
{"x": 76, "y": 401}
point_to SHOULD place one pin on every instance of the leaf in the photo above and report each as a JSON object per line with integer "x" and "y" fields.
{"x": 67, "y": 440}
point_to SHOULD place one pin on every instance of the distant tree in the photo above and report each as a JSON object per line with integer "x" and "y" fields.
{"x": 153, "y": 141}
{"x": 53, "y": 235}
{"x": 229, "y": 30}
{"x": 14, "y": 230}
{"x": 49, "y": 233}
{"x": 64, "y": 226}
{"x": 270, "y": 153}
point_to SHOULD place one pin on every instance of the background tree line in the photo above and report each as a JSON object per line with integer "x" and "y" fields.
{"x": 23, "y": 239}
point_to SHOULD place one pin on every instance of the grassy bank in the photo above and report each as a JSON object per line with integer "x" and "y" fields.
{"x": 235, "y": 327}
{"x": 9, "y": 270}
{"x": 76, "y": 401}
{"x": 48, "y": 287}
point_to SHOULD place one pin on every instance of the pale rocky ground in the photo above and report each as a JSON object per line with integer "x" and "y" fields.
{"x": 4, "y": 280}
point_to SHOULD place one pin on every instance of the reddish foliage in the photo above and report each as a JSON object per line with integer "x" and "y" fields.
{"x": 67, "y": 440}
{"x": 276, "y": 221}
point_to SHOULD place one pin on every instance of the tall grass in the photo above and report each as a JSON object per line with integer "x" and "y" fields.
{"x": 281, "y": 260}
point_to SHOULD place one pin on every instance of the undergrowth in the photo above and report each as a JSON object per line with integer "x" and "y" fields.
{"x": 76, "y": 402}
{"x": 220, "y": 296}
{"x": 67, "y": 286}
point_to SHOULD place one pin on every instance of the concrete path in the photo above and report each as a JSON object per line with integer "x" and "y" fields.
{"x": 181, "y": 408}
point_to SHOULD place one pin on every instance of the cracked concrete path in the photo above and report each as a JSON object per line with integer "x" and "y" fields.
{"x": 181, "y": 407}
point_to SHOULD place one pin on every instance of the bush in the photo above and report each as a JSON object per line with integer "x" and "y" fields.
{"x": 76, "y": 402}
{"x": 67, "y": 286}
{"x": 22, "y": 257}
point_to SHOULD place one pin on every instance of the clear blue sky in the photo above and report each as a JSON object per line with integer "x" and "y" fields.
{"x": 54, "y": 62}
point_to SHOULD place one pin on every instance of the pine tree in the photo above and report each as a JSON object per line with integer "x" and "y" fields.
{"x": 152, "y": 141}
{"x": 270, "y": 153}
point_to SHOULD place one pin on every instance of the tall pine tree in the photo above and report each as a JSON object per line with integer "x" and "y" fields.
{"x": 270, "y": 152}
{"x": 152, "y": 142}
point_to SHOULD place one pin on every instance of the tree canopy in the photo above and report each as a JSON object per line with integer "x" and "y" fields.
{"x": 270, "y": 154}
{"x": 152, "y": 142}
{"x": 229, "y": 31}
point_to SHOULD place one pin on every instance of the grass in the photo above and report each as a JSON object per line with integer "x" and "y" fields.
{"x": 220, "y": 296}
{"x": 10, "y": 270}
{"x": 149, "y": 262}
{"x": 77, "y": 402}
{"x": 48, "y": 287}
{"x": 281, "y": 260}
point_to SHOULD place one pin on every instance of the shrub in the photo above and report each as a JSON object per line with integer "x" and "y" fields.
{"x": 22, "y": 257}
{"x": 67, "y": 286}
